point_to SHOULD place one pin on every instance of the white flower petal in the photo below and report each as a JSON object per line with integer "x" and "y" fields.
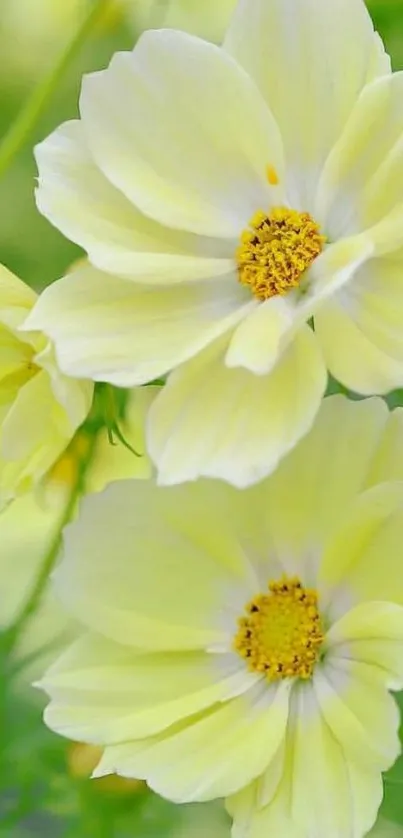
{"x": 267, "y": 784}
{"x": 387, "y": 463}
{"x": 260, "y": 339}
{"x": 362, "y": 181}
{"x": 252, "y": 821}
{"x": 371, "y": 633}
{"x": 73, "y": 395}
{"x": 310, "y": 72}
{"x": 171, "y": 602}
{"x": 35, "y": 432}
{"x": 183, "y": 132}
{"x": 105, "y": 693}
{"x": 212, "y": 755}
{"x": 311, "y": 492}
{"x": 322, "y": 791}
{"x": 78, "y": 199}
{"x": 110, "y": 329}
{"x": 386, "y": 235}
{"x": 380, "y": 620}
{"x": 362, "y": 716}
{"x": 375, "y": 302}
{"x": 30, "y": 421}
{"x": 40, "y": 409}
{"x": 369, "y": 358}
{"x": 362, "y": 562}
{"x": 385, "y": 657}
{"x": 219, "y": 422}
{"x": 326, "y": 796}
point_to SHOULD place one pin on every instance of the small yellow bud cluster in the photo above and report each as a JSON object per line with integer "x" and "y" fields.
{"x": 276, "y": 250}
{"x": 282, "y": 633}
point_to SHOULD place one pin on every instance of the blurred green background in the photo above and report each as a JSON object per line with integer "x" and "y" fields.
{"x": 43, "y": 785}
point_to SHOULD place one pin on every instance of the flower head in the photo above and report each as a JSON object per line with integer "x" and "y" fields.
{"x": 229, "y": 198}
{"x": 40, "y": 407}
{"x": 243, "y": 644}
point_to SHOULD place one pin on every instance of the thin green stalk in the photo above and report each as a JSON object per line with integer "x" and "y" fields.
{"x": 31, "y": 605}
{"x": 49, "y": 560}
{"x": 37, "y": 102}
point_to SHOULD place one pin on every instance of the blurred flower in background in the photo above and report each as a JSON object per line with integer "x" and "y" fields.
{"x": 33, "y": 31}
{"x": 40, "y": 407}
{"x": 205, "y": 18}
{"x": 29, "y": 527}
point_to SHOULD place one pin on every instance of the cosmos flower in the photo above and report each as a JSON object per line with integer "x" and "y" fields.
{"x": 39, "y": 36}
{"x": 242, "y": 210}
{"x": 243, "y": 644}
{"x": 40, "y": 407}
{"x": 30, "y": 525}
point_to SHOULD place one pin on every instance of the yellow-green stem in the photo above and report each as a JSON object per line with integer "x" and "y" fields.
{"x": 37, "y": 102}
{"x": 49, "y": 560}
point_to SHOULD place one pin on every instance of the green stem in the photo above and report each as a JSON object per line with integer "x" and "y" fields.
{"x": 30, "y": 607}
{"x": 37, "y": 102}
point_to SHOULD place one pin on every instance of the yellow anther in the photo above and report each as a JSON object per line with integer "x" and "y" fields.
{"x": 282, "y": 633}
{"x": 276, "y": 250}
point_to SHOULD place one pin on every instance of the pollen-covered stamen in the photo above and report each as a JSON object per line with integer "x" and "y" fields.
{"x": 281, "y": 634}
{"x": 276, "y": 249}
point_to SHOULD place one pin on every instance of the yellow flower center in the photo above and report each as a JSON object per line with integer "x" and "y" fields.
{"x": 276, "y": 249}
{"x": 282, "y": 632}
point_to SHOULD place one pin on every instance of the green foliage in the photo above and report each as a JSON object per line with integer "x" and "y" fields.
{"x": 388, "y": 18}
{"x": 392, "y": 807}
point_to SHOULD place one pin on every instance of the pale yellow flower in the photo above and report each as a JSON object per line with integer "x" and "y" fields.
{"x": 40, "y": 408}
{"x": 228, "y": 198}
{"x": 29, "y": 526}
{"x": 243, "y": 644}
{"x": 33, "y": 32}
{"x": 206, "y": 18}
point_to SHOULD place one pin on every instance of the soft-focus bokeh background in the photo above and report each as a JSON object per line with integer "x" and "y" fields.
{"x": 43, "y": 785}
